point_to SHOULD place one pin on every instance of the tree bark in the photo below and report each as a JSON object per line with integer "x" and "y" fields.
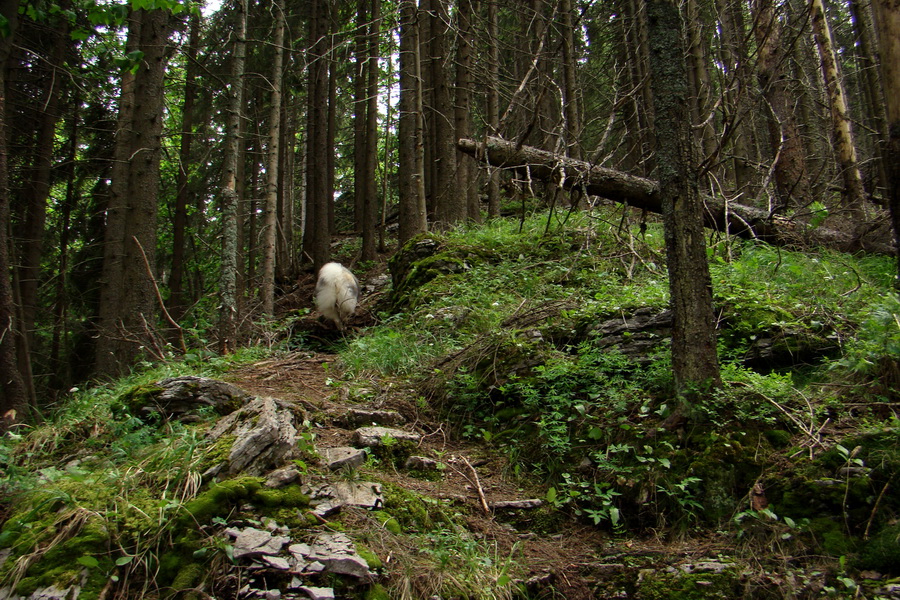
{"x": 317, "y": 235}
{"x": 737, "y": 102}
{"x": 887, "y": 23}
{"x": 267, "y": 283}
{"x": 228, "y": 318}
{"x": 853, "y": 194}
{"x": 370, "y": 204}
{"x": 13, "y": 391}
{"x": 875, "y": 118}
{"x": 129, "y": 313}
{"x": 640, "y": 192}
{"x": 790, "y": 170}
{"x": 695, "y": 364}
{"x": 176, "y": 302}
{"x": 411, "y": 174}
{"x": 465, "y": 176}
{"x": 450, "y": 207}
{"x": 493, "y": 101}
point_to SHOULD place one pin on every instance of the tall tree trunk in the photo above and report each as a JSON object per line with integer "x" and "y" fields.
{"x": 61, "y": 378}
{"x": 465, "y": 174}
{"x": 450, "y": 206}
{"x": 790, "y": 171}
{"x": 493, "y": 101}
{"x": 230, "y": 197}
{"x": 267, "y": 287}
{"x": 37, "y": 192}
{"x": 411, "y": 174}
{"x": 176, "y": 303}
{"x": 570, "y": 90}
{"x": 370, "y": 205}
{"x": 317, "y": 235}
{"x": 874, "y": 98}
{"x": 737, "y": 101}
{"x": 698, "y": 76}
{"x": 128, "y": 316}
{"x": 695, "y": 363}
{"x": 853, "y": 196}
{"x": 360, "y": 52}
{"x": 14, "y": 400}
{"x": 887, "y": 23}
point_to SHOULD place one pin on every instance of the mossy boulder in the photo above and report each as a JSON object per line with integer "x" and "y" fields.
{"x": 882, "y": 552}
{"x": 419, "y": 261}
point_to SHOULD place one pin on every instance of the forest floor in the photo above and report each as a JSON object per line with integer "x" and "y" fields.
{"x": 570, "y": 558}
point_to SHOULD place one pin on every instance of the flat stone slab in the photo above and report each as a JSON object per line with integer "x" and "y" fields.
{"x": 343, "y": 457}
{"x": 420, "y": 463}
{"x": 373, "y": 437}
{"x": 330, "y": 553}
{"x": 328, "y": 498}
{"x": 359, "y": 417}
{"x": 317, "y": 593}
{"x": 517, "y": 504}
{"x": 258, "y": 542}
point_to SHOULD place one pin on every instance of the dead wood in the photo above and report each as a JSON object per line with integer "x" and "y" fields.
{"x": 736, "y": 219}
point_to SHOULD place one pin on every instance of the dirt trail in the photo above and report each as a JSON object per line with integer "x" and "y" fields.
{"x": 565, "y": 557}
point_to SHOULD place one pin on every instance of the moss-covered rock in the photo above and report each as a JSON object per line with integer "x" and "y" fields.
{"x": 882, "y": 552}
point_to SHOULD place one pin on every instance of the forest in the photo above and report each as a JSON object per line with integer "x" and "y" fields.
{"x": 659, "y": 238}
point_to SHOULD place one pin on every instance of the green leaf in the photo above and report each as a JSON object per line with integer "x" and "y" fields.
{"x": 123, "y": 560}
{"x": 551, "y": 495}
{"x": 88, "y": 561}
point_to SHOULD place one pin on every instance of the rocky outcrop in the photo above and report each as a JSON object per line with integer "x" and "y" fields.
{"x": 265, "y": 437}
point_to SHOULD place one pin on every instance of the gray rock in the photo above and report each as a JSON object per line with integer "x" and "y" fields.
{"x": 277, "y": 562}
{"x": 336, "y": 552}
{"x": 373, "y": 437}
{"x": 318, "y": 593}
{"x": 343, "y": 457}
{"x": 258, "y": 542}
{"x": 180, "y": 396}
{"x": 48, "y": 593}
{"x": 363, "y": 494}
{"x": 517, "y": 504}
{"x": 357, "y": 417}
{"x": 420, "y": 463}
{"x": 265, "y": 436}
{"x": 282, "y": 477}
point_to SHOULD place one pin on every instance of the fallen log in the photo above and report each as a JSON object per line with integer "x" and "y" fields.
{"x": 639, "y": 192}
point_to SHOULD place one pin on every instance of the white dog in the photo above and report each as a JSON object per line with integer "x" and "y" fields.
{"x": 336, "y": 293}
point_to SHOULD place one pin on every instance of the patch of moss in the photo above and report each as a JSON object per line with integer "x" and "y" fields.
{"x": 377, "y": 592}
{"x": 56, "y": 566}
{"x": 387, "y": 521}
{"x": 132, "y": 401}
{"x": 188, "y": 576}
{"x": 394, "y": 451}
{"x": 779, "y": 438}
{"x": 727, "y": 467}
{"x": 882, "y": 552}
{"x": 413, "y": 511}
{"x": 664, "y": 585}
{"x": 220, "y": 498}
{"x": 830, "y": 535}
{"x": 289, "y": 496}
{"x": 216, "y": 453}
{"x": 370, "y": 557}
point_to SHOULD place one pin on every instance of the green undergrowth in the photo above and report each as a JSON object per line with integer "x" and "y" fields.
{"x": 98, "y": 491}
{"x": 497, "y": 326}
